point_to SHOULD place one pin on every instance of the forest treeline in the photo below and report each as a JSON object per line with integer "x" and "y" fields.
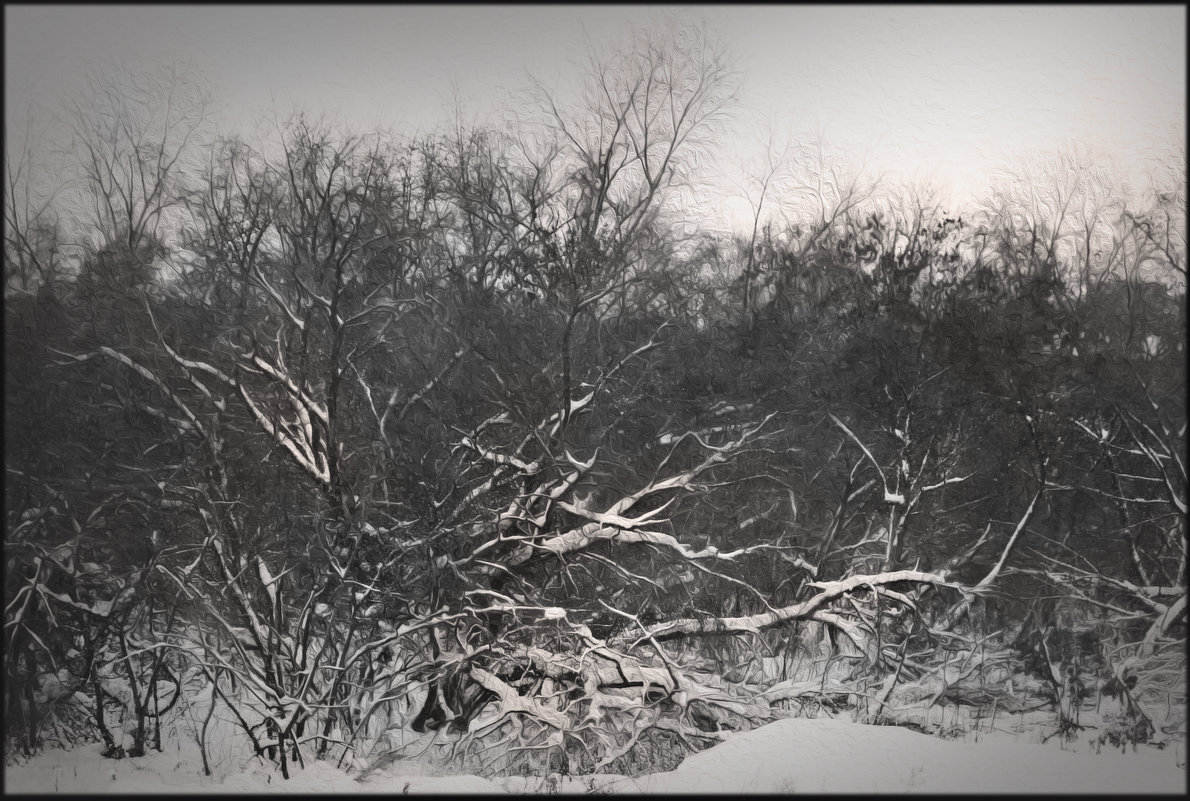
{"x": 346, "y": 433}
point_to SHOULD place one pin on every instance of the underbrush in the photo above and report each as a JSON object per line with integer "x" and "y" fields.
{"x": 1133, "y": 697}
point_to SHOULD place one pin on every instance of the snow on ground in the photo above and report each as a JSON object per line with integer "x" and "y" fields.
{"x": 823, "y": 755}
{"x": 789, "y": 756}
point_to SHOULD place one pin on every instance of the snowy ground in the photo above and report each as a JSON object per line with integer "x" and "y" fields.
{"x": 789, "y": 756}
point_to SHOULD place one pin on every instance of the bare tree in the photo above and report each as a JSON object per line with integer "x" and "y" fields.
{"x": 33, "y": 235}
{"x": 136, "y": 135}
{"x": 634, "y": 136}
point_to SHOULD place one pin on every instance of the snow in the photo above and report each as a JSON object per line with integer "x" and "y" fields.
{"x": 797, "y": 755}
{"x": 823, "y": 755}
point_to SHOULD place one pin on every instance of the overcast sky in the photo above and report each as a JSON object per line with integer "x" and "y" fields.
{"x": 943, "y": 94}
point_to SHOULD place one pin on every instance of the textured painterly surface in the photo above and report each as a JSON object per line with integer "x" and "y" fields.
{"x": 741, "y": 399}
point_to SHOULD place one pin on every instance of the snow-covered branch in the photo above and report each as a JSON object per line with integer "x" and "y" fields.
{"x": 827, "y": 591}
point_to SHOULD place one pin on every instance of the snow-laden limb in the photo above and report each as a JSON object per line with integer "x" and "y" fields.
{"x": 382, "y": 420}
{"x": 1080, "y": 581}
{"x": 297, "y": 437}
{"x": 257, "y": 278}
{"x": 828, "y": 591}
{"x": 511, "y": 702}
{"x": 945, "y": 481}
{"x": 192, "y": 423}
{"x": 889, "y": 495}
{"x": 800, "y": 561}
{"x": 231, "y": 580}
{"x": 526, "y": 468}
{"x": 551, "y": 492}
{"x": 269, "y": 581}
{"x": 960, "y": 609}
{"x": 576, "y": 405}
{"x": 326, "y": 303}
{"x": 609, "y": 524}
{"x": 297, "y": 448}
{"x": 188, "y": 367}
{"x": 1161, "y": 625}
{"x": 585, "y": 536}
{"x": 994, "y": 573}
{"x": 600, "y": 669}
{"x": 302, "y": 399}
{"x": 613, "y": 520}
{"x": 788, "y": 689}
{"x": 1157, "y": 450}
{"x": 1072, "y": 577}
{"x": 492, "y": 478}
{"x": 1155, "y": 591}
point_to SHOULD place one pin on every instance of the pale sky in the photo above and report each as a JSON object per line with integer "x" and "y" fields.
{"x": 946, "y": 95}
